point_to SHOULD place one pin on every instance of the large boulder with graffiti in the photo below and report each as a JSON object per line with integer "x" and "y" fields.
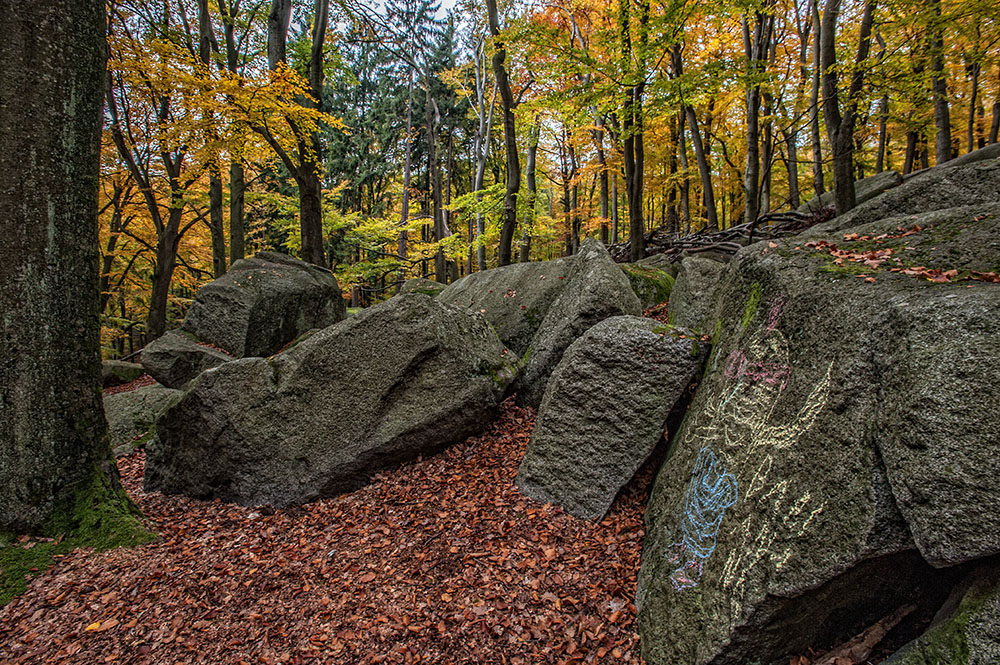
{"x": 836, "y": 462}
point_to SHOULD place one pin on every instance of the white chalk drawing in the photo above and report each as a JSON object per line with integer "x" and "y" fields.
{"x": 738, "y": 443}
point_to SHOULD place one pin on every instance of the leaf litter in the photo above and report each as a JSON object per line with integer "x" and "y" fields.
{"x": 440, "y": 561}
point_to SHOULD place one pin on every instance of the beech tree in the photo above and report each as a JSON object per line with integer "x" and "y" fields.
{"x": 56, "y": 471}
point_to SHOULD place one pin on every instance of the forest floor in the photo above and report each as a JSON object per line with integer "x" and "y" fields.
{"x": 440, "y": 561}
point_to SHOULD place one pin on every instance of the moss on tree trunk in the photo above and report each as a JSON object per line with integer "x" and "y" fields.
{"x": 56, "y": 471}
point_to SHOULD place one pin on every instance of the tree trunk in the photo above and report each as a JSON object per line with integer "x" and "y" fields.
{"x": 840, "y": 127}
{"x": 614, "y": 207}
{"x": 237, "y": 182}
{"x": 686, "y": 180}
{"x": 817, "y": 144}
{"x": 277, "y": 32}
{"x": 939, "y": 88}
{"x": 237, "y": 214}
{"x": 995, "y": 125}
{"x": 532, "y": 189}
{"x": 216, "y": 222}
{"x": 509, "y": 138}
{"x": 56, "y": 471}
{"x": 311, "y": 215}
{"x": 404, "y": 215}
{"x": 974, "y": 70}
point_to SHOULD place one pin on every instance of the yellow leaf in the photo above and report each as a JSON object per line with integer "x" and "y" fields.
{"x": 93, "y": 626}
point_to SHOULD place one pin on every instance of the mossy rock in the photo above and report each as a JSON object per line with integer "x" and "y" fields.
{"x": 966, "y": 631}
{"x": 837, "y": 454}
{"x": 652, "y": 286}
{"x": 119, "y": 372}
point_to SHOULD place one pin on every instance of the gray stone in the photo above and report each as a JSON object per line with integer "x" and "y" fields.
{"x": 652, "y": 286}
{"x": 986, "y": 153}
{"x": 966, "y": 630}
{"x": 596, "y": 289}
{"x": 263, "y": 303}
{"x": 864, "y": 190}
{"x": 131, "y": 414}
{"x": 513, "y": 298}
{"x": 929, "y": 190}
{"x": 661, "y": 262}
{"x": 400, "y": 379}
{"x": 604, "y": 411}
{"x": 693, "y": 292}
{"x": 816, "y": 445}
{"x": 119, "y": 372}
{"x": 428, "y": 287}
{"x": 177, "y": 357}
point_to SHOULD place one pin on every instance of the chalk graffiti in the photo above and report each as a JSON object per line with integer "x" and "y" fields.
{"x": 711, "y": 490}
{"x": 737, "y": 439}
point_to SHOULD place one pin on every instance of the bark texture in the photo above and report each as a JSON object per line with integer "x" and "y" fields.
{"x": 53, "y": 435}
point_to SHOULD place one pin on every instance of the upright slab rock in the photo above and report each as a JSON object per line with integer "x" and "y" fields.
{"x": 513, "y": 298}
{"x": 401, "y": 379}
{"x": 783, "y": 518}
{"x": 604, "y": 411}
{"x": 263, "y": 303}
{"x": 596, "y": 289}
{"x": 691, "y": 299}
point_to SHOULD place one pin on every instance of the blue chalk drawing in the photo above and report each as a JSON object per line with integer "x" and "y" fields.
{"x": 712, "y": 489}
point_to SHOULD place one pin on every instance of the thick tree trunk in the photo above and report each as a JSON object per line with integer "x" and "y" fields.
{"x": 56, "y": 472}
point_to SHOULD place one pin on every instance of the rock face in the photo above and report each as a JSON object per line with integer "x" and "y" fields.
{"x": 401, "y": 379}
{"x": 604, "y": 411}
{"x": 131, "y": 414}
{"x": 691, "y": 297}
{"x": 513, "y": 298}
{"x": 263, "y": 303}
{"x": 118, "y": 372}
{"x": 991, "y": 151}
{"x": 966, "y": 629}
{"x": 938, "y": 188}
{"x": 864, "y": 190}
{"x": 596, "y": 289}
{"x": 177, "y": 357}
{"x": 837, "y": 417}
{"x": 652, "y": 286}
{"x": 428, "y": 287}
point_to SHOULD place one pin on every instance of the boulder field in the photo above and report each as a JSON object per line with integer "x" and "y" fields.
{"x": 831, "y": 448}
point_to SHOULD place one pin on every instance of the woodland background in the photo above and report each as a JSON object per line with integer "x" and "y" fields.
{"x": 404, "y": 140}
